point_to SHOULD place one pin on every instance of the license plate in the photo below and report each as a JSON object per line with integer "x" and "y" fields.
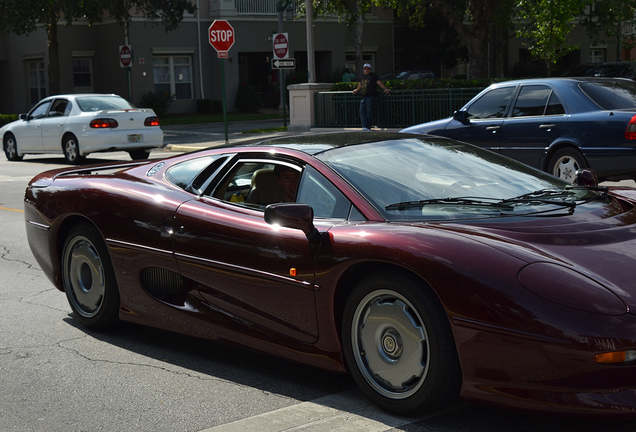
{"x": 134, "y": 138}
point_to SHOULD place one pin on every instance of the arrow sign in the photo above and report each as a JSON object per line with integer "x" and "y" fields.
{"x": 289, "y": 63}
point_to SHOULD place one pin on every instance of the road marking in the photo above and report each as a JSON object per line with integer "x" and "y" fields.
{"x": 10, "y": 209}
{"x": 346, "y": 411}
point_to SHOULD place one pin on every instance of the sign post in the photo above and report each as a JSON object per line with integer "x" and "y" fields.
{"x": 281, "y": 52}
{"x": 125, "y": 61}
{"x": 222, "y": 38}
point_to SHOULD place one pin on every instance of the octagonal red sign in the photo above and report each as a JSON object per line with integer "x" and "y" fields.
{"x": 221, "y": 35}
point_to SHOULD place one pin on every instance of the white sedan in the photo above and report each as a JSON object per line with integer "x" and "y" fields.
{"x": 76, "y": 125}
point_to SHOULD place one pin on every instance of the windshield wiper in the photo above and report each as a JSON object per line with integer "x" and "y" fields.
{"x": 539, "y": 194}
{"x": 449, "y": 201}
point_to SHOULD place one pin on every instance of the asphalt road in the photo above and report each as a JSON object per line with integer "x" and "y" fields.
{"x": 56, "y": 375}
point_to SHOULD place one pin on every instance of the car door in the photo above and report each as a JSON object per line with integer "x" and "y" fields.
{"x": 532, "y": 124}
{"x": 29, "y": 132}
{"x": 483, "y": 119}
{"x": 53, "y": 124}
{"x": 259, "y": 275}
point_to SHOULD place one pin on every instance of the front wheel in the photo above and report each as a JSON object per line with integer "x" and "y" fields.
{"x": 71, "y": 150}
{"x": 398, "y": 345}
{"x": 11, "y": 148}
{"x": 565, "y": 163}
{"x": 89, "y": 279}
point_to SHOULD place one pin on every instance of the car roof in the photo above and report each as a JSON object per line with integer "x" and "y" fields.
{"x": 313, "y": 144}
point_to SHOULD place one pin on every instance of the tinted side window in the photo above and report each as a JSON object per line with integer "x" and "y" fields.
{"x": 532, "y": 101}
{"x": 491, "y": 105}
{"x": 322, "y": 196}
{"x": 40, "y": 110}
{"x": 555, "y": 107}
{"x": 610, "y": 95}
{"x": 60, "y": 107}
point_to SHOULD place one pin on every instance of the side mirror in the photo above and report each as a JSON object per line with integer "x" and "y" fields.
{"x": 22, "y": 116}
{"x": 586, "y": 177}
{"x": 461, "y": 116}
{"x": 292, "y": 215}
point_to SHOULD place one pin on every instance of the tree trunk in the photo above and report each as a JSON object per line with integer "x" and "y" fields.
{"x": 359, "y": 58}
{"x": 54, "y": 54}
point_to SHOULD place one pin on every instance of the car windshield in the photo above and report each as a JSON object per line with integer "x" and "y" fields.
{"x": 98, "y": 103}
{"x": 611, "y": 95}
{"x": 424, "y": 178}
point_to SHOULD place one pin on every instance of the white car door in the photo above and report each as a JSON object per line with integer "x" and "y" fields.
{"x": 53, "y": 124}
{"x": 28, "y": 133}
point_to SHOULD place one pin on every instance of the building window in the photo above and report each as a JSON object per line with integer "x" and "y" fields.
{"x": 350, "y": 61}
{"x": 597, "y": 55}
{"x": 173, "y": 75}
{"x": 37, "y": 81}
{"x": 83, "y": 73}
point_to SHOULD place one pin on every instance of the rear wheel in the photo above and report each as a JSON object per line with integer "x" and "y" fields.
{"x": 565, "y": 163}
{"x": 398, "y": 345}
{"x": 139, "y": 154}
{"x": 89, "y": 279}
{"x": 71, "y": 149}
{"x": 11, "y": 148}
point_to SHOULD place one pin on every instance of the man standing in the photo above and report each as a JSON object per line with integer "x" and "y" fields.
{"x": 368, "y": 88}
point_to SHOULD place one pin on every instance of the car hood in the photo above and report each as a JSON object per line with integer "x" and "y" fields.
{"x": 429, "y": 127}
{"x": 600, "y": 244}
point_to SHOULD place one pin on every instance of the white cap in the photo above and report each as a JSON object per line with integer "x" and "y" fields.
{"x": 367, "y": 65}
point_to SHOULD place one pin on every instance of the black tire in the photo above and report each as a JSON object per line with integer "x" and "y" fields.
{"x": 89, "y": 279}
{"x": 398, "y": 345}
{"x": 11, "y": 148}
{"x": 71, "y": 149}
{"x": 565, "y": 163}
{"x": 139, "y": 154}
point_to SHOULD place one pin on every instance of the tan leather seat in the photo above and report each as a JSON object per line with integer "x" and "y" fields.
{"x": 265, "y": 189}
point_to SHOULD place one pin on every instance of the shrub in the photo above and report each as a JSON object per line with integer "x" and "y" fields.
{"x": 7, "y": 118}
{"x": 217, "y": 106}
{"x": 247, "y": 99}
{"x": 158, "y": 101}
{"x": 204, "y": 106}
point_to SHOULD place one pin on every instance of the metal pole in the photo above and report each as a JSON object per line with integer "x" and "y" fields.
{"x": 311, "y": 72}
{"x": 282, "y": 83}
{"x": 199, "y": 43}
{"x": 223, "y": 96}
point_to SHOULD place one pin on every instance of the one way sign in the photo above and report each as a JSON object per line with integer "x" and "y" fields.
{"x": 289, "y": 63}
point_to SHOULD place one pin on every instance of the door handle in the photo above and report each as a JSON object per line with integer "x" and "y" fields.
{"x": 547, "y": 126}
{"x": 493, "y": 128}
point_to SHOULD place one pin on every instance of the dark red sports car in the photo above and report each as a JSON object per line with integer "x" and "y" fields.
{"x": 428, "y": 268}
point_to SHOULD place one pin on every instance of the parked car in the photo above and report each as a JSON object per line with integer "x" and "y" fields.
{"x": 412, "y": 74}
{"x": 608, "y": 69}
{"x": 558, "y": 125}
{"x": 77, "y": 125}
{"x": 427, "y": 267}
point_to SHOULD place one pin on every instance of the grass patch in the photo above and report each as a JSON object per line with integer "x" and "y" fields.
{"x": 186, "y": 119}
{"x": 266, "y": 130}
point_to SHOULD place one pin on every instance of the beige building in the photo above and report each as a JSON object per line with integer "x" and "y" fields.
{"x": 182, "y": 61}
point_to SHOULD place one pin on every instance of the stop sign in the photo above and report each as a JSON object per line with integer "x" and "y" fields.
{"x": 221, "y": 37}
{"x": 281, "y": 46}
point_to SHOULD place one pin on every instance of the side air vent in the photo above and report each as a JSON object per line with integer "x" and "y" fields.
{"x": 165, "y": 285}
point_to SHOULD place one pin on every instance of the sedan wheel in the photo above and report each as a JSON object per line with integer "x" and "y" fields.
{"x": 398, "y": 345}
{"x": 565, "y": 163}
{"x": 71, "y": 150}
{"x": 11, "y": 148}
{"x": 89, "y": 279}
{"x": 139, "y": 154}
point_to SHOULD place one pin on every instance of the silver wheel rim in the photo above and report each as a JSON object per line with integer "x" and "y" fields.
{"x": 84, "y": 278}
{"x": 12, "y": 149}
{"x": 70, "y": 149}
{"x": 565, "y": 168}
{"x": 390, "y": 344}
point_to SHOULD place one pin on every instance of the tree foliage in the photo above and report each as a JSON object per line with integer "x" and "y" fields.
{"x": 546, "y": 24}
{"x": 25, "y": 16}
{"x": 606, "y": 20}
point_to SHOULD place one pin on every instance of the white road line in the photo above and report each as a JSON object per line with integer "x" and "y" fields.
{"x": 346, "y": 411}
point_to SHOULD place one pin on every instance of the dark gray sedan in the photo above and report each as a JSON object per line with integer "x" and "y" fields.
{"x": 555, "y": 124}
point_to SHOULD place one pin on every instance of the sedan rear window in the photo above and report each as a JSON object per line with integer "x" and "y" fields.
{"x": 611, "y": 95}
{"x": 98, "y": 103}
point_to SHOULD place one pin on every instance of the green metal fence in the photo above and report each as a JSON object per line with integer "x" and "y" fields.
{"x": 401, "y": 108}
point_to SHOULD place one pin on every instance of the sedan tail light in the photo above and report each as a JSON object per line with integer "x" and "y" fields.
{"x": 630, "y": 132}
{"x": 103, "y": 123}
{"x": 151, "y": 121}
